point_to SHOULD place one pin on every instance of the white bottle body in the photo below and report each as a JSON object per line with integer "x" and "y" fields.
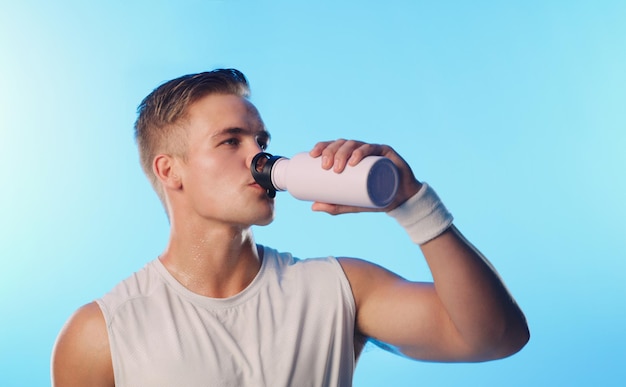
{"x": 373, "y": 182}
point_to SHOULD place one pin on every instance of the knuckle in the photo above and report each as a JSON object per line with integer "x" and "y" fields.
{"x": 359, "y": 151}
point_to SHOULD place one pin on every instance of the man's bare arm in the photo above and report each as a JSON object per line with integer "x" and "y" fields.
{"x": 466, "y": 315}
{"x": 81, "y": 355}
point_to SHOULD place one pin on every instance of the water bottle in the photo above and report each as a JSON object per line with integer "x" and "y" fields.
{"x": 373, "y": 182}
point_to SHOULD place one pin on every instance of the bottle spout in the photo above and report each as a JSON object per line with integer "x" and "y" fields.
{"x": 261, "y": 169}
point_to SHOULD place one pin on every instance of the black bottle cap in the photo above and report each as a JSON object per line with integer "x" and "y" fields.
{"x": 261, "y": 168}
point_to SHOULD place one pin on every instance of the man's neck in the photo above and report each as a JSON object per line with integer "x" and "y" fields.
{"x": 216, "y": 262}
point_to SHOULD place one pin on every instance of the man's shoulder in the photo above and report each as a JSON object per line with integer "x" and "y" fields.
{"x": 284, "y": 258}
{"x": 310, "y": 272}
{"x": 87, "y": 319}
{"x": 138, "y": 285}
{"x": 83, "y": 345}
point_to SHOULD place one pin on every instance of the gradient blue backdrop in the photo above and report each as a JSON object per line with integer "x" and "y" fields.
{"x": 514, "y": 111}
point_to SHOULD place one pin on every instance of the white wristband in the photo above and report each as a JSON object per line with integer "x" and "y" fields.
{"x": 423, "y": 216}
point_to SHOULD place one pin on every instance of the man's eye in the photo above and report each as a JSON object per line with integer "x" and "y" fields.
{"x": 232, "y": 141}
{"x": 263, "y": 142}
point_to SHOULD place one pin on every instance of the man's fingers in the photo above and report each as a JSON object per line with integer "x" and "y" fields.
{"x": 363, "y": 151}
{"x": 341, "y": 152}
{"x": 318, "y": 148}
{"x": 337, "y": 209}
{"x": 327, "y": 149}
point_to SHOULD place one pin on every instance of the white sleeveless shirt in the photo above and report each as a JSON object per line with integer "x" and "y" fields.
{"x": 292, "y": 326}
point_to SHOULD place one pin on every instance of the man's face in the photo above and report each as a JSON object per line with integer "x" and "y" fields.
{"x": 224, "y": 133}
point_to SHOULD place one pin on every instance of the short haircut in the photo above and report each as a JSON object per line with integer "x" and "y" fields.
{"x": 159, "y": 128}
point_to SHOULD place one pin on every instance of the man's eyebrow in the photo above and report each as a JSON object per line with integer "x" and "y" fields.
{"x": 242, "y": 131}
{"x": 227, "y": 131}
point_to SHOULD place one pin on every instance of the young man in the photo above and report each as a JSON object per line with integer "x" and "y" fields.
{"x": 217, "y": 309}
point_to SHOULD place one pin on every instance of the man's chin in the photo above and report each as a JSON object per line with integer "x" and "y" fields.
{"x": 265, "y": 222}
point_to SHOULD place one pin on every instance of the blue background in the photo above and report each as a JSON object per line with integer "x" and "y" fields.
{"x": 513, "y": 111}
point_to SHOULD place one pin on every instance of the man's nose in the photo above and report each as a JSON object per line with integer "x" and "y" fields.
{"x": 253, "y": 151}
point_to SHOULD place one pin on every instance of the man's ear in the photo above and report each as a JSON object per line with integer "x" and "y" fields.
{"x": 165, "y": 169}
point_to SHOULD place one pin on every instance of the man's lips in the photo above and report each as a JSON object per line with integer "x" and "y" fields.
{"x": 256, "y": 185}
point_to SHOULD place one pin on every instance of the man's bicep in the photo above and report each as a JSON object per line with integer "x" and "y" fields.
{"x": 81, "y": 354}
{"x": 406, "y": 315}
